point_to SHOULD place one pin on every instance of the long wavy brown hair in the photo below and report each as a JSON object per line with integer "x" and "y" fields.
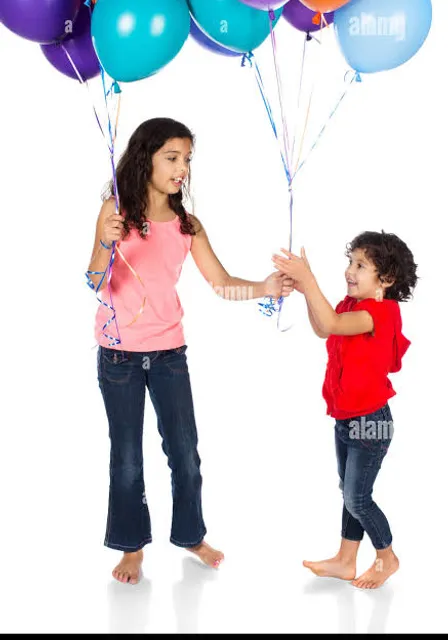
{"x": 134, "y": 172}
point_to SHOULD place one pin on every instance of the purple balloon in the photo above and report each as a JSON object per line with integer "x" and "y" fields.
{"x": 202, "y": 38}
{"x": 42, "y": 21}
{"x": 301, "y": 17}
{"x": 80, "y": 47}
{"x": 265, "y": 5}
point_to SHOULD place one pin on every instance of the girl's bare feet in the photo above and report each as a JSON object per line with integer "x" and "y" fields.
{"x": 207, "y": 554}
{"x": 384, "y": 566}
{"x": 128, "y": 570}
{"x": 332, "y": 568}
{"x": 342, "y": 566}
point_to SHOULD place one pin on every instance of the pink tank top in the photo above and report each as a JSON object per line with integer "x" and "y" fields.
{"x": 158, "y": 260}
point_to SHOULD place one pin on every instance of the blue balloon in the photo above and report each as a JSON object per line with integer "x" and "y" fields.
{"x": 232, "y": 24}
{"x": 378, "y": 35}
{"x": 136, "y": 38}
{"x": 202, "y": 38}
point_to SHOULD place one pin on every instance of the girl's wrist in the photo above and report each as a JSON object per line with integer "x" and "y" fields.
{"x": 105, "y": 246}
{"x": 309, "y": 283}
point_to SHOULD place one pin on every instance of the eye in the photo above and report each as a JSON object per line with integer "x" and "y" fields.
{"x": 171, "y": 159}
{"x": 360, "y": 265}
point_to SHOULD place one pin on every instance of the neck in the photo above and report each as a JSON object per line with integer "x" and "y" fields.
{"x": 158, "y": 203}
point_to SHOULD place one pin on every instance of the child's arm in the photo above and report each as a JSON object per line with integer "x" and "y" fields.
{"x": 108, "y": 229}
{"x": 229, "y": 287}
{"x": 327, "y": 321}
{"x": 313, "y": 323}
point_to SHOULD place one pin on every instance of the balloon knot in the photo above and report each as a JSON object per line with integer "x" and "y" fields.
{"x": 358, "y": 77}
{"x": 116, "y": 87}
{"x": 317, "y": 19}
{"x": 88, "y": 3}
{"x": 247, "y": 57}
{"x": 308, "y": 37}
{"x": 271, "y": 15}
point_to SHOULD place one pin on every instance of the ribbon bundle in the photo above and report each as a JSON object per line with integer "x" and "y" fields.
{"x": 269, "y": 307}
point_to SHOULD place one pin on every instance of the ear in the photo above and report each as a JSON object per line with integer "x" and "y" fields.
{"x": 386, "y": 282}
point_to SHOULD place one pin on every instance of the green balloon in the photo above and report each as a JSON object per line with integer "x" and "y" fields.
{"x": 134, "y": 39}
{"x": 233, "y": 24}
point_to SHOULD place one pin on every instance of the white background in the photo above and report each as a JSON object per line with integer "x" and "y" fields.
{"x": 271, "y": 494}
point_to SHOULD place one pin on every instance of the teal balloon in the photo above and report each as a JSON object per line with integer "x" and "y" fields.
{"x": 233, "y": 24}
{"x": 134, "y": 39}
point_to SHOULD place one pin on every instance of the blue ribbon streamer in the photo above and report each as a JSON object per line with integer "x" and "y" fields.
{"x": 268, "y": 307}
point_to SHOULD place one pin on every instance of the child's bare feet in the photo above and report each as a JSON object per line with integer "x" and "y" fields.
{"x": 384, "y": 566}
{"x": 342, "y": 566}
{"x": 128, "y": 570}
{"x": 207, "y": 554}
{"x": 333, "y": 568}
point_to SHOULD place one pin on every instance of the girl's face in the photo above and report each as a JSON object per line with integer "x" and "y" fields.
{"x": 171, "y": 164}
{"x": 362, "y": 277}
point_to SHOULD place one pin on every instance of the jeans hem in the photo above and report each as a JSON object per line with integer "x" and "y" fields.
{"x": 185, "y": 545}
{"x": 383, "y": 546}
{"x": 352, "y": 539}
{"x": 127, "y": 549}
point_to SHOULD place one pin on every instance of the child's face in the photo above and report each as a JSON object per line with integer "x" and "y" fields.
{"x": 362, "y": 277}
{"x": 171, "y": 165}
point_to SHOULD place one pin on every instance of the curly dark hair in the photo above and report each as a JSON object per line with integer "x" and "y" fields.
{"x": 393, "y": 261}
{"x": 134, "y": 171}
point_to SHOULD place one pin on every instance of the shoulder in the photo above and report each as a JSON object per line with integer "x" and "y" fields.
{"x": 345, "y": 305}
{"x": 383, "y": 312}
{"x": 386, "y": 307}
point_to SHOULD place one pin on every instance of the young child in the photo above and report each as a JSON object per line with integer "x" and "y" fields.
{"x": 364, "y": 345}
{"x": 155, "y": 234}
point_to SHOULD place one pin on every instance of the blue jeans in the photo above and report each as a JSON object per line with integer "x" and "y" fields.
{"x": 361, "y": 444}
{"x": 123, "y": 377}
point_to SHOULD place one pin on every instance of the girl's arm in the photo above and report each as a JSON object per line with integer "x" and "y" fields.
{"x": 226, "y": 286}
{"x": 327, "y": 320}
{"x": 100, "y": 258}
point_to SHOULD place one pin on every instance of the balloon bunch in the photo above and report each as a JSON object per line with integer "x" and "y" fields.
{"x": 130, "y": 40}
{"x": 134, "y": 39}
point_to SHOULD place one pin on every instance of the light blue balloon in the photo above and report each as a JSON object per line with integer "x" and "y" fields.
{"x": 136, "y": 38}
{"x": 378, "y": 35}
{"x": 232, "y": 24}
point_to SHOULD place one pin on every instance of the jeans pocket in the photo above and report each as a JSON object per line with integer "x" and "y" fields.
{"x": 175, "y": 359}
{"x": 116, "y": 366}
{"x": 377, "y": 430}
{"x": 181, "y": 350}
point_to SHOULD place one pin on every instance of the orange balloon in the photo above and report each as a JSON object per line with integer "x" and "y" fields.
{"x": 324, "y": 6}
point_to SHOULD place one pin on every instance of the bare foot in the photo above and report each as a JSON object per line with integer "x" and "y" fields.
{"x": 207, "y": 554}
{"x": 128, "y": 570}
{"x": 334, "y": 568}
{"x": 379, "y": 572}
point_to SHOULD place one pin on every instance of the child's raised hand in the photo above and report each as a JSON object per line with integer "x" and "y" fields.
{"x": 296, "y": 268}
{"x": 278, "y": 285}
{"x": 113, "y": 223}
